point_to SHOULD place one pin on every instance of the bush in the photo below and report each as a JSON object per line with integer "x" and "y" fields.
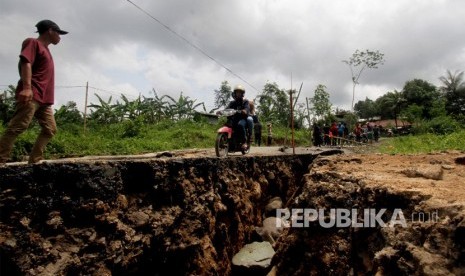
{"x": 440, "y": 125}
{"x": 132, "y": 128}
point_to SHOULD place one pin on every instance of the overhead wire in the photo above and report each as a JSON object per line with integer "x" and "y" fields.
{"x": 193, "y": 45}
{"x": 111, "y": 92}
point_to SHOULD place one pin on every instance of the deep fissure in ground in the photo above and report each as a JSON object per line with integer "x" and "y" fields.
{"x": 190, "y": 216}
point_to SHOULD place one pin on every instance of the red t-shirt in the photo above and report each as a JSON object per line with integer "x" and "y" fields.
{"x": 43, "y": 70}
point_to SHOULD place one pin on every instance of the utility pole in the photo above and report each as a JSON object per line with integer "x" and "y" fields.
{"x": 292, "y": 119}
{"x": 85, "y": 107}
{"x": 309, "y": 119}
{"x": 292, "y": 122}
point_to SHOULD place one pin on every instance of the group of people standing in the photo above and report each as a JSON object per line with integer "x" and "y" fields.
{"x": 339, "y": 134}
{"x": 328, "y": 135}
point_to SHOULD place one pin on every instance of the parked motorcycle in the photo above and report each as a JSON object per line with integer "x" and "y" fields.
{"x": 227, "y": 140}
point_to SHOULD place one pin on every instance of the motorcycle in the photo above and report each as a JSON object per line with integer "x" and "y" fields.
{"x": 363, "y": 137}
{"x": 227, "y": 140}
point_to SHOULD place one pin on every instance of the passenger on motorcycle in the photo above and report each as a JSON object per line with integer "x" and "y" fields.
{"x": 243, "y": 111}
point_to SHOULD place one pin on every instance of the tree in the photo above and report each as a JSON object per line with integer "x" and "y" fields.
{"x": 359, "y": 62}
{"x": 68, "y": 113}
{"x": 7, "y": 104}
{"x": 421, "y": 93}
{"x": 391, "y": 104}
{"x": 321, "y": 106}
{"x": 154, "y": 109}
{"x": 350, "y": 119}
{"x": 453, "y": 90}
{"x": 129, "y": 109}
{"x": 366, "y": 109}
{"x": 413, "y": 114}
{"x": 223, "y": 95}
{"x": 104, "y": 112}
{"x": 452, "y": 82}
{"x": 274, "y": 105}
{"x": 183, "y": 108}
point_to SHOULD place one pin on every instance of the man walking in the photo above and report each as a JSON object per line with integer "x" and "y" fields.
{"x": 35, "y": 92}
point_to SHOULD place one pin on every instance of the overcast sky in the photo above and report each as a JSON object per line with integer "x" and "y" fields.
{"x": 118, "y": 48}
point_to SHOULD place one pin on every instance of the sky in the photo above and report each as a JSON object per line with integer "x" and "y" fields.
{"x": 140, "y": 46}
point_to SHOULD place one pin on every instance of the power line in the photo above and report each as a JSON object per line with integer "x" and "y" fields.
{"x": 113, "y": 93}
{"x": 192, "y": 45}
{"x": 70, "y": 86}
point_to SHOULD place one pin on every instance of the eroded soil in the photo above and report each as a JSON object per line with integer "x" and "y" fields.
{"x": 420, "y": 185}
{"x": 189, "y": 213}
{"x": 164, "y": 215}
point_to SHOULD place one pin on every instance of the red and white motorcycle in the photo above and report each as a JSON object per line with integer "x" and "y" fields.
{"x": 227, "y": 140}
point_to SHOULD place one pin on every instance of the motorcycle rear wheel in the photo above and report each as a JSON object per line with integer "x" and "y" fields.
{"x": 222, "y": 145}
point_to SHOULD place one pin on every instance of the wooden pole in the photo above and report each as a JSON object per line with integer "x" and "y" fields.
{"x": 292, "y": 120}
{"x": 310, "y": 126}
{"x": 85, "y": 107}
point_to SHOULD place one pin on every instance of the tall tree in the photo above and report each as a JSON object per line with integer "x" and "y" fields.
{"x": 321, "y": 106}
{"x": 223, "y": 95}
{"x": 274, "y": 105}
{"x": 453, "y": 90}
{"x": 452, "y": 81}
{"x": 358, "y": 62}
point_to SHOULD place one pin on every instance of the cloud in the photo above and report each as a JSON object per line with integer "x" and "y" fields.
{"x": 116, "y": 46}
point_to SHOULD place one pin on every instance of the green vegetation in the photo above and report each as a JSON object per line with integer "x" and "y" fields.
{"x": 130, "y": 137}
{"x": 138, "y": 138}
{"x": 424, "y": 143}
{"x": 435, "y": 115}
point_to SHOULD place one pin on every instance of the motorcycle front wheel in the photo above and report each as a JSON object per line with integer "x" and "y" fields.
{"x": 246, "y": 150}
{"x": 221, "y": 145}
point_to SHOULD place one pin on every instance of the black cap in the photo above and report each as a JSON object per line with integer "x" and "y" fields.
{"x": 46, "y": 24}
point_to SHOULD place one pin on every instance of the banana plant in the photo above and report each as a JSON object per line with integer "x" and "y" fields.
{"x": 104, "y": 112}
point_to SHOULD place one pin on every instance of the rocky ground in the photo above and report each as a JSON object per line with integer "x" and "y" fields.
{"x": 189, "y": 213}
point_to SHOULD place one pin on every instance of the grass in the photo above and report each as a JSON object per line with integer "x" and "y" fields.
{"x": 133, "y": 138}
{"x": 137, "y": 138}
{"x": 424, "y": 143}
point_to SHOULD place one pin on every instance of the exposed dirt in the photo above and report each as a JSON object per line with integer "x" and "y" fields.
{"x": 440, "y": 176}
{"x": 163, "y": 215}
{"x": 188, "y": 213}
{"x": 429, "y": 189}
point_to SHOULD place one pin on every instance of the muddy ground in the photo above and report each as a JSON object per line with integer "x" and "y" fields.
{"x": 188, "y": 213}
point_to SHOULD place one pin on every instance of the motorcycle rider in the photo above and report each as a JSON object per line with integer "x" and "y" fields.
{"x": 242, "y": 108}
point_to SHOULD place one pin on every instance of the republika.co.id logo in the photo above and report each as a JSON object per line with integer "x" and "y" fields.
{"x": 341, "y": 218}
